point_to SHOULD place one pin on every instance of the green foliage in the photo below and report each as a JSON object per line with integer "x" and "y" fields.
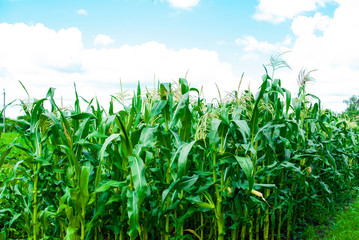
{"x": 352, "y": 109}
{"x": 12, "y": 137}
{"x": 170, "y": 166}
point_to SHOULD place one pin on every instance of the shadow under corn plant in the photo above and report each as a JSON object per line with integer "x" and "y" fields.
{"x": 170, "y": 166}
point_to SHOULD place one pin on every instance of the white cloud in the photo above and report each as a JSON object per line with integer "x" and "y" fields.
{"x": 41, "y": 58}
{"x": 82, "y": 12}
{"x": 103, "y": 40}
{"x": 277, "y": 11}
{"x": 30, "y": 48}
{"x": 331, "y": 46}
{"x": 251, "y": 44}
{"x": 303, "y": 25}
{"x": 320, "y": 42}
{"x": 183, "y": 4}
{"x": 140, "y": 62}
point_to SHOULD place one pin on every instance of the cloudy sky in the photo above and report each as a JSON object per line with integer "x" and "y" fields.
{"x": 95, "y": 44}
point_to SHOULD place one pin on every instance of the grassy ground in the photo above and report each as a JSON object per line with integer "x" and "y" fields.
{"x": 344, "y": 226}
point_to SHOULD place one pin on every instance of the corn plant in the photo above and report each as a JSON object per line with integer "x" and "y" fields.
{"x": 169, "y": 165}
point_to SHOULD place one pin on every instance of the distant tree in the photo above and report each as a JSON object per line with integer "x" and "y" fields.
{"x": 352, "y": 106}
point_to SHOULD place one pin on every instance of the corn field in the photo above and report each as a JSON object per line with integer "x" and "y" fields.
{"x": 169, "y": 165}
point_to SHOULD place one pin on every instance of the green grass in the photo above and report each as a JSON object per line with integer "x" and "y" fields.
{"x": 344, "y": 226}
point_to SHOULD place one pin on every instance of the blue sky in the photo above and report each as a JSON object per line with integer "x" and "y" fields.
{"x": 138, "y": 21}
{"x": 95, "y": 43}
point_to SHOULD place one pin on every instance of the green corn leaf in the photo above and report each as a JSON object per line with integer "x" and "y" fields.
{"x": 84, "y": 182}
{"x": 325, "y": 187}
{"x": 166, "y": 192}
{"x": 183, "y": 157}
{"x": 113, "y": 199}
{"x": 205, "y": 205}
{"x": 247, "y": 166}
{"x": 165, "y": 89}
{"x": 200, "y": 203}
{"x": 186, "y": 124}
{"x": 4, "y": 154}
{"x": 4, "y": 210}
{"x": 101, "y": 156}
{"x": 82, "y": 131}
{"x": 180, "y": 109}
{"x": 138, "y": 175}
{"x": 255, "y": 115}
{"x": 262, "y": 185}
{"x": 243, "y": 128}
{"x": 213, "y": 131}
{"x": 157, "y": 108}
{"x": 208, "y": 197}
{"x": 209, "y": 204}
{"x": 50, "y": 95}
{"x": 184, "y": 85}
{"x": 288, "y": 99}
{"x": 126, "y": 141}
{"x": 332, "y": 162}
{"x": 184, "y": 183}
{"x": 3, "y": 235}
{"x": 133, "y": 214}
{"x": 147, "y": 138}
{"x": 71, "y": 233}
{"x": 187, "y": 182}
{"x": 111, "y": 183}
{"x": 70, "y": 153}
{"x": 82, "y": 116}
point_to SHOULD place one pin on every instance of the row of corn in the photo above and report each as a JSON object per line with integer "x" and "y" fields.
{"x": 169, "y": 165}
